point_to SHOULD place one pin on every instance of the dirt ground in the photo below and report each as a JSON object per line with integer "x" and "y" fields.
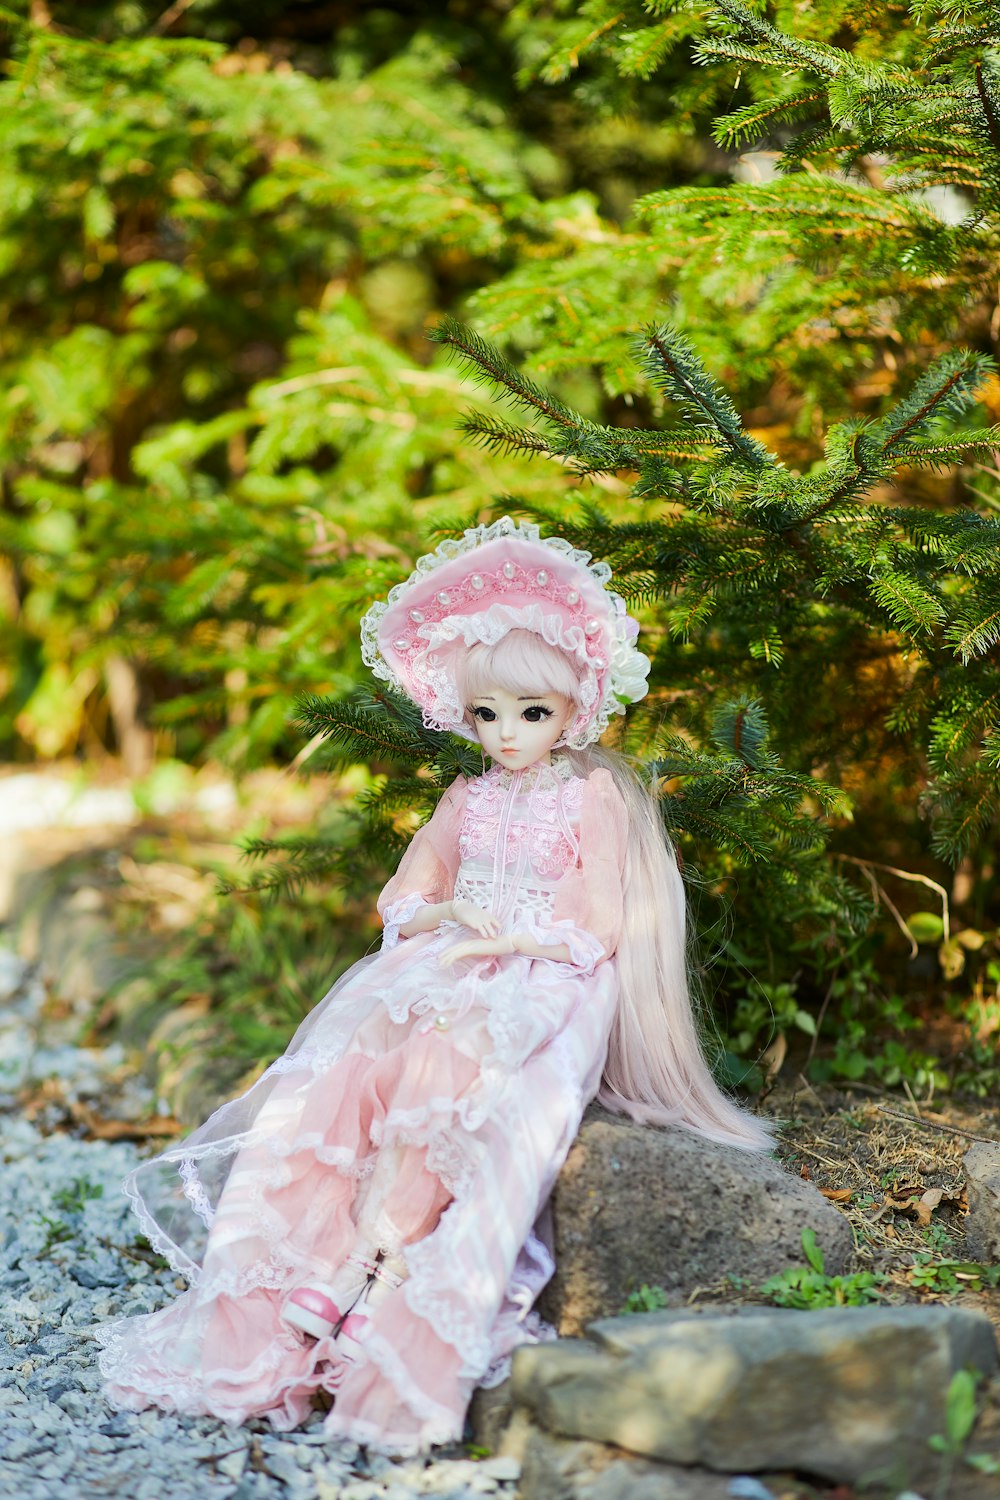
{"x": 880, "y": 1157}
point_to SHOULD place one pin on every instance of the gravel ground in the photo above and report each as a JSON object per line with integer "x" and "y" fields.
{"x": 70, "y": 1258}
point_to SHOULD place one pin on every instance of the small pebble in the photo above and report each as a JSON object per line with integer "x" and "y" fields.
{"x": 232, "y": 1465}
{"x": 502, "y": 1468}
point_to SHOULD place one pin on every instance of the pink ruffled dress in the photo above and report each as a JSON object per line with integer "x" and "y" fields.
{"x": 470, "y": 1082}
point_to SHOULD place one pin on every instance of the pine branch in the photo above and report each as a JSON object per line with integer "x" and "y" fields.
{"x": 486, "y": 364}
{"x": 792, "y": 199}
{"x": 968, "y": 805}
{"x": 501, "y": 437}
{"x": 845, "y": 480}
{"x": 786, "y": 51}
{"x": 741, "y": 725}
{"x": 961, "y": 724}
{"x": 673, "y": 366}
{"x": 989, "y": 105}
{"x": 906, "y": 603}
{"x": 976, "y": 628}
{"x": 358, "y": 728}
{"x": 948, "y": 452}
{"x": 949, "y": 385}
{"x": 948, "y": 41}
{"x": 396, "y": 794}
{"x": 754, "y": 120}
{"x": 724, "y": 833}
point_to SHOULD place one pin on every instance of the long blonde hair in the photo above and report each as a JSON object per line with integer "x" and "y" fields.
{"x": 656, "y": 1070}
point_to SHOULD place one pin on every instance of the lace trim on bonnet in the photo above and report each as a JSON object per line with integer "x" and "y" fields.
{"x": 518, "y": 580}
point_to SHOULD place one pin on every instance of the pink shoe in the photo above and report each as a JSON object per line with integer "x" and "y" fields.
{"x": 312, "y": 1310}
{"x": 318, "y": 1307}
{"x": 353, "y": 1333}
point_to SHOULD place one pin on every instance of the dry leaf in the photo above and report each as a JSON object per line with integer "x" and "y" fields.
{"x": 922, "y": 1212}
{"x": 838, "y": 1195}
{"x": 772, "y": 1058}
{"x": 100, "y": 1129}
{"x": 906, "y": 1201}
{"x": 805, "y": 1172}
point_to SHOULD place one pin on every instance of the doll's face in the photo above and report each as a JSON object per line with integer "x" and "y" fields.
{"x": 516, "y": 731}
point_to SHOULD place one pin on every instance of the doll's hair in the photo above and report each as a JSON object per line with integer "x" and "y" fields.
{"x": 656, "y": 1070}
{"x": 518, "y": 662}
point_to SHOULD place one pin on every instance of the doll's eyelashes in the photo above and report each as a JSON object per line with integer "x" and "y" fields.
{"x": 535, "y": 713}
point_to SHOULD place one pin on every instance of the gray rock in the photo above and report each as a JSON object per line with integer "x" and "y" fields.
{"x": 558, "y": 1468}
{"x": 489, "y": 1413}
{"x": 636, "y": 1205}
{"x": 982, "y": 1187}
{"x": 850, "y": 1394}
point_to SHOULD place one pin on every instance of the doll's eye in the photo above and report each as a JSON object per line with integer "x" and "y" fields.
{"x": 537, "y": 713}
{"x": 484, "y": 713}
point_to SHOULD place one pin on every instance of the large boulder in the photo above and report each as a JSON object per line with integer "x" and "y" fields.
{"x": 637, "y": 1205}
{"x": 848, "y": 1394}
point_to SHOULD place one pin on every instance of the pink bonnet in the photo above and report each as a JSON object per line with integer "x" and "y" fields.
{"x": 492, "y": 580}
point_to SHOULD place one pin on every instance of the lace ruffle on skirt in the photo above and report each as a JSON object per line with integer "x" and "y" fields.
{"x": 266, "y": 1194}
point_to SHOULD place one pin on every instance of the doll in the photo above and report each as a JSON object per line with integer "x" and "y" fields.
{"x": 365, "y": 1221}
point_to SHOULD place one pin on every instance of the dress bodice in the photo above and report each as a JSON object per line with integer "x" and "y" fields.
{"x": 520, "y": 833}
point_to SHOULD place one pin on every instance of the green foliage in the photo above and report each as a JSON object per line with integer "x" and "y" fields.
{"x": 809, "y": 1286}
{"x": 960, "y": 1419}
{"x": 645, "y": 1299}
{"x": 80, "y": 1191}
{"x": 945, "y": 1277}
{"x": 983, "y": 1463}
{"x": 57, "y": 1232}
{"x": 765, "y": 1010}
{"x": 216, "y": 391}
{"x": 961, "y": 1412}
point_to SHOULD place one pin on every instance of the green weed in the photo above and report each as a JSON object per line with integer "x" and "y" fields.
{"x": 929, "y": 1274}
{"x": 959, "y": 1420}
{"x": 57, "y": 1232}
{"x": 81, "y": 1191}
{"x": 645, "y": 1299}
{"x": 810, "y": 1286}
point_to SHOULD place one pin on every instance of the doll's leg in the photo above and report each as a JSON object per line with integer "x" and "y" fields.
{"x": 402, "y": 1200}
{"x": 402, "y": 1203}
{"x": 399, "y": 1204}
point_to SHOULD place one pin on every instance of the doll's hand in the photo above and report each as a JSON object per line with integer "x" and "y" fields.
{"x": 470, "y": 915}
{"x": 491, "y": 947}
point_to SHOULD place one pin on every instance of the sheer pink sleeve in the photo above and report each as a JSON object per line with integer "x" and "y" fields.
{"x": 589, "y": 897}
{"x": 426, "y": 873}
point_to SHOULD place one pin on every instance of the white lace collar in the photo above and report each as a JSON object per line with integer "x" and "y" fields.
{"x": 559, "y": 768}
